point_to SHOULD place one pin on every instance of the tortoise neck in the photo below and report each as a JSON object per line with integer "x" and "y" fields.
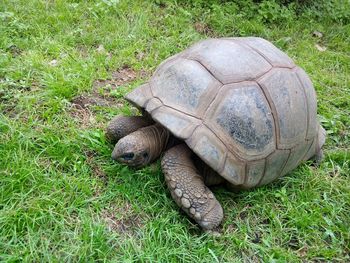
{"x": 157, "y": 138}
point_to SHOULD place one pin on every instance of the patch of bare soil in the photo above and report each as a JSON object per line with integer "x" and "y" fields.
{"x": 83, "y": 105}
{"x": 294, "y": 243}
{"x": 10, "y": 94}
{"x": 120, "y": 77}
{"x": 203, "y": 28}
{"x": 122, "y": 220}
{"x": 85, "y": 101}
{"x": 95, "y": 167}
{"x": 249, "y": 257}
{"x": 14, "y": 50}
{"x": 9, "y": 110}
{"x": 82, "y": 114}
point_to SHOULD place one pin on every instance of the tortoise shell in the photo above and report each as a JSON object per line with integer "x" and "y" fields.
{"x": 240, "y": 104}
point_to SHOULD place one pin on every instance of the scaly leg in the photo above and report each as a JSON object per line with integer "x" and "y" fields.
{"x": 121, "y": 126}
{"x": 188, "y": 190}
{"x": 321, "y": 139}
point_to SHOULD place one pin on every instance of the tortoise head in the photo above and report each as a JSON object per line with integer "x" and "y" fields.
{"x": 132, "y": 150}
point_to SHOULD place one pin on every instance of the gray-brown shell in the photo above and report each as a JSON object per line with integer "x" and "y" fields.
{"x": 240, "y": 104}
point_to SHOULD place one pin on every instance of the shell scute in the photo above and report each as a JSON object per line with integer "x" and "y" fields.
{"x": 229, "y": 61}
{"x": 234, "y": 170}
{"x": 185, "y": 85}
{"x": 211, "y": 150}
{"x": 287, "y": 96}
{"x": 273, "y": 55}
{"x": 179, "y": 124}
{"x": 311, "y": 102}
{"x": 241, "y": 116}
{"x": 255, "y": 171}
{"x": 274, "y": 165}
{"x": 296, "y": 155}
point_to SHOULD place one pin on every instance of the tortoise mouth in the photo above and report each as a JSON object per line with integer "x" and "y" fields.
{"x": 131, "y": 158}
{"x": 127, "y": 156}
{"x": 137, "y": 162}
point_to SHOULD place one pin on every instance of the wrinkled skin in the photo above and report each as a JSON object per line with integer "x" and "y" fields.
{"x": 187, "y": 186}
{"x": 121, "y": 126}
{"x": 142, "y": 146}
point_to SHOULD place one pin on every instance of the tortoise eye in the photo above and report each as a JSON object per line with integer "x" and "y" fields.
{"x": 128, "y": 156}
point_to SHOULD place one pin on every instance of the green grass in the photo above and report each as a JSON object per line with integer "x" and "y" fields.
{"x": 62, "y": 199}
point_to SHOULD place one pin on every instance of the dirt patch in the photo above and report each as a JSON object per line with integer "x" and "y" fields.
{"x": 302, "y": 252}
{"x": 9, "y": 110}
{"x": 140, "y": 55}
{"x": 203, "y": 28}
{"x": 95, "y": 167}
{"x": 122, "y": 219}
{"x": 243, "y": 215}
{"x": 85, "y": 101}
{"x": 256, "y": 238}
{"x": 83, "y": 106}
{"x": 14, "y": 50}
{"x": 83, "y": 115}
{"x": 161, "y": 4}
{"x": 294, "y": 242}
{"x": 120, "y": 77}
{"x": 9, "y": 96}
{"x": 102, "y": 89}
{"x": 249, "y": 256}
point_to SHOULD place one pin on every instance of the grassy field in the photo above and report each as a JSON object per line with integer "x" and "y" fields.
{"x": 64, "y": 68}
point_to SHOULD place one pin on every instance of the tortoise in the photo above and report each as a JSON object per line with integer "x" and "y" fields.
{"x": 228, "y": 110}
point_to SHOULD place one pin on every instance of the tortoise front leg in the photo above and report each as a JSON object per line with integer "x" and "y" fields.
{"x": 120, "y": 126}
{"x": 188, "y": 190}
